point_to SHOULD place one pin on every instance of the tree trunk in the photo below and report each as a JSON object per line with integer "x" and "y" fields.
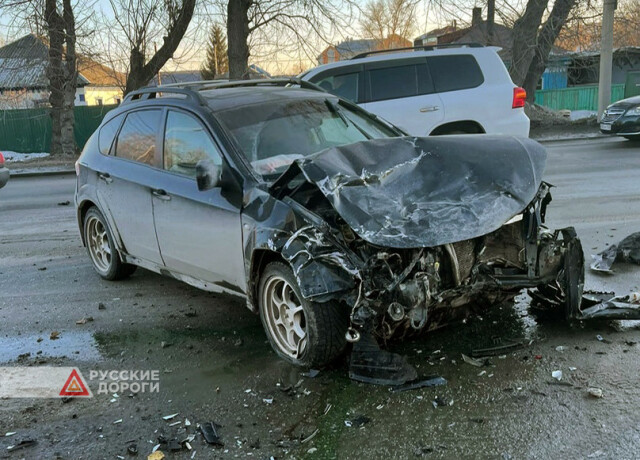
{"x": 139, "y": 72}
{"x": 237, "y": 38}
{"x": 525, "y": 31}
{"x": 62, "y": 75}
{"x": 546, "y": 38}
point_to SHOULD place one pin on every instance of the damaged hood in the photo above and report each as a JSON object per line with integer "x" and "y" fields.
{"x": 424, "y": 192}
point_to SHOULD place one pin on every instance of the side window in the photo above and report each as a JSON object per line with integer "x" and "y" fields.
{"x": 108, "y": 133}
{"x": 425, "y": 83}
{"x": 344, "y": 86}
{"x": 456, "y": 72}
{"x": 185, "y": 143}
{"x": 137, "y": 138}
{"x": 393, "y": 82}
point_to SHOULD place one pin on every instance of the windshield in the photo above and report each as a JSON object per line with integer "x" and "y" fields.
{"x": 273, "y": 135}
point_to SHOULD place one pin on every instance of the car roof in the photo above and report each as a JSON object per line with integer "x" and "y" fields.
{"x": 220, "y": 99}
{"x": 393, "y": 55}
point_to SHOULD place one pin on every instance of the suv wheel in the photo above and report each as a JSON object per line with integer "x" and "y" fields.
{"x": 101, "y": 248}
{"x": 302, "y": 332}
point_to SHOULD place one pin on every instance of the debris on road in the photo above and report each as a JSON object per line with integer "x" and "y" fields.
{"x": 164, "y": 344}
{"x": 557, "y": 375}
{"x": 157, "y": 455}
{"x": 210, "y": 433}
{"x": 54, "y": 335}
{"x": 22, "y": 444}
{"x": 430, "y": 381}
{"x": 101, "y": 306}
{"x": 86, "y": 320}
{"x": 472, "y": 361}
{"x": 357, "y": 421}
{"x": 619, "y": 307}
{"x": 10, "y": 433}
{"x": 312, "y": 373}
{"x": 438, "y": 402}
{"x": 498, "y": 350}
{"x": 132, "y": 449}
{"x": 627, "y": 250}
{"x": 169, "y": 417}
{"x": 64, "y": 203}
{"x": 595, "y": 392}
{"x": 117, "y": 421}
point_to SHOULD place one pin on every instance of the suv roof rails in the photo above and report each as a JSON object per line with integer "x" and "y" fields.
{"x": 152, "y": 92}
{"x": 420, "y": 48}
{"x": 190, "y": 89}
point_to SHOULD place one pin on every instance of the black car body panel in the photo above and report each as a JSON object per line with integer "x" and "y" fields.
{"x": 430, "y": 191}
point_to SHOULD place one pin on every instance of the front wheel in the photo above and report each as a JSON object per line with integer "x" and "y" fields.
{"x": 102, "y": 249}
{"x": 302, "y": 332}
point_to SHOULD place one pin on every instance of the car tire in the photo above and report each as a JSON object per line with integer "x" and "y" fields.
{"x": 302, "y": 332}
{"x": 102, "y": 249}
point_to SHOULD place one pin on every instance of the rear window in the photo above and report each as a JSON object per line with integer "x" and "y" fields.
{"x": 137, "y": 138}
{"x": 344, "y": 86}
{"x": 452, "y": 73}
{"x": 400, "y": 81}
{"x": 108, "y": 133}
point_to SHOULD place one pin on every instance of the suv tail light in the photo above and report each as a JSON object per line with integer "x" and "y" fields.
{"x": 519, "y": 98}
{"x": 1, "y": 160}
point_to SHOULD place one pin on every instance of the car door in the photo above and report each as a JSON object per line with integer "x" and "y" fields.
{"x": 402, "y": 92}
{"x": 125, "y": 182}
{"x": 199, "y": 232}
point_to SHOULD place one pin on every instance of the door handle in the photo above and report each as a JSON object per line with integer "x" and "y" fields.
{"x": 160, "y": 193}
{"x": 105, "y": 177}
{"x": 430, "y": 108}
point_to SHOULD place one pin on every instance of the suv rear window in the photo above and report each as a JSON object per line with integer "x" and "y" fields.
{"x": 137, "y": 138}
{"x": 456, "y": 72}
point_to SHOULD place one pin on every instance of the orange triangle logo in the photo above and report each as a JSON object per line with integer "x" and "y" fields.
{"x": 74, "y": 386}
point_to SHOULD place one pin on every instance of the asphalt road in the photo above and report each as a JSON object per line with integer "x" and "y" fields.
{"x": 215, "y": 364}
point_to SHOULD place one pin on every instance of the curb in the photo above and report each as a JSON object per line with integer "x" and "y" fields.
{"x": 569, "y": 139}
{"x": 35, "y": 173}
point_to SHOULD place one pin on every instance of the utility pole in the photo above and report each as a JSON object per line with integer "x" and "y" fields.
{"x": 606, "y": 56}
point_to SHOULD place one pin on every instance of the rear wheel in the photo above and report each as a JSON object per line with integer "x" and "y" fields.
{"x": 302, "y": 332}
{"x": 102, "y": 249}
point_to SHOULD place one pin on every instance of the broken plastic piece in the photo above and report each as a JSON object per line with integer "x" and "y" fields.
{"x": 499, "y": 350}
{"x": 431, "y": 381}
{"x": 370, "y": 364}
{"x": 595, "y": 392}
{"x": 157, "y": 455}
{"x": 22, "y": 444}
{"x": 628, "y": 250}
{"x": 557, "y": 375}
{"x": 210, "y": 434}
{"x": 472, "y": 361}
{"x": 169, "y": 417}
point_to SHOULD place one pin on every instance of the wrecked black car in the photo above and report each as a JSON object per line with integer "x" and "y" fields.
{"x": 331, "y": 223}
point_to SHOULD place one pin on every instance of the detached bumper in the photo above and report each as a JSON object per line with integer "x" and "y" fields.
{"x": 4, "y": 176}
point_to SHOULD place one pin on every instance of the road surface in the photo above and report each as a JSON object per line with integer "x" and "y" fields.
{"x": 215, "y": 364}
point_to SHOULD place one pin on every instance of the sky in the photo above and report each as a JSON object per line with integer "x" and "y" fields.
{"x": 277, "y": 57}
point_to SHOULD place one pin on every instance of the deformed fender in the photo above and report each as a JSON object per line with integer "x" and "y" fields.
{"x": 289, "y": 232}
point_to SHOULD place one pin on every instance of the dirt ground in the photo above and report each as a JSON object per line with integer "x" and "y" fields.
{"x": 216, "y": 365}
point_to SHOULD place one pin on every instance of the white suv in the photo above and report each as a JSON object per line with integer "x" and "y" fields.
{"x": 431, "y": 90}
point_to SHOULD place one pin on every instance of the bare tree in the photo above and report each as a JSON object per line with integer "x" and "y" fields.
{"x": 292, "y": 26}
{"x": 386, "y": 18}
{"x": 140, "y": 24}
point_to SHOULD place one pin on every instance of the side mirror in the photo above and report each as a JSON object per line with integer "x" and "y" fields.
{"x": 207, "y": 174}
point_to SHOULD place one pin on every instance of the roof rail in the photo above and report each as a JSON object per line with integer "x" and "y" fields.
{"x": 213, "y": 84}
{"x": 152, "y": 92}
{"x": 190, "y": 89}
{"x": 420, "y": 48}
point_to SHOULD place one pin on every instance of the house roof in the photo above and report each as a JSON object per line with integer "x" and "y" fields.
{"x": 23, "y": 64}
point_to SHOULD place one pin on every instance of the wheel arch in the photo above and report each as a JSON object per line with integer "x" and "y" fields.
{"x": 466, "y": 126}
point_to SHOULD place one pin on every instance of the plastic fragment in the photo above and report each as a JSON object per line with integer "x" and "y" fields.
{"x": 169, "y": 417}
{"x": 595, "y": 392}
{"x": 472, "y": 361}
{"x": 557, "y": 375}
{"x": 156, "y": 455}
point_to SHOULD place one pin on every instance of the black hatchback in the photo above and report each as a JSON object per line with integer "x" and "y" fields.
{"x": 328, "y": 221}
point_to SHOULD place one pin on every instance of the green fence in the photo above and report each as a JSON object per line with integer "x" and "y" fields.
{"x": 29, "y": 130}
{"x": 576, "y": 98}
